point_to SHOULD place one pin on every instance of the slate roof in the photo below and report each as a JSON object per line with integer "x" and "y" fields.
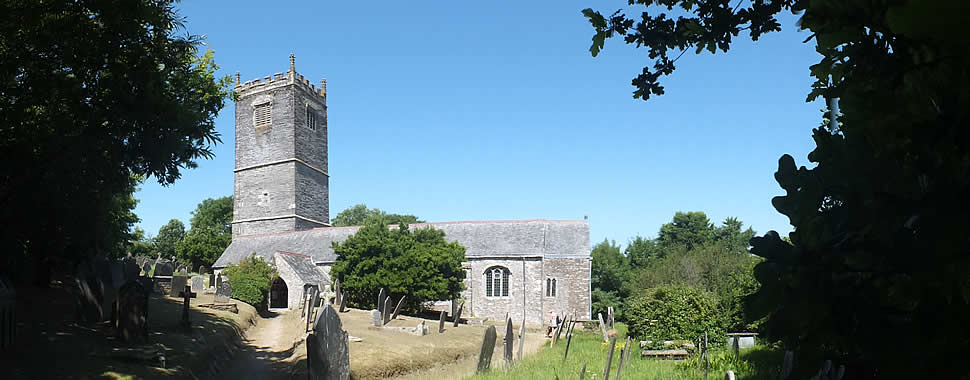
{"x": 481, "y": 239}
{"x": 304, "y": 267}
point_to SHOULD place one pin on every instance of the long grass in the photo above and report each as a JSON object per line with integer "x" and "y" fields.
{"x": 588, "y": 348}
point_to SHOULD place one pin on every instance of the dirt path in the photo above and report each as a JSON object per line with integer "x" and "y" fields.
{"x": 269, "y": 348}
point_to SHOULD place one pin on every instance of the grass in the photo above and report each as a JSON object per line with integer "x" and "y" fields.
{"x": 587, "y": 347}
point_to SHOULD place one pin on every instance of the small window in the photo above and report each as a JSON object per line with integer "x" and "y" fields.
{"x": 497, "y": 282}
{"x": 262, "y": 115}
{"x": 311, "y": 118}
{"x": 550, "y": 287}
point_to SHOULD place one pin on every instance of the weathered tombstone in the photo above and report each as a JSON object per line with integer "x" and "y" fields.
{"x": 8, "y": 324}
{"x": 380, "y": 299}
{"x": 132, "y": 311}
{"x": 223, "y": 289}
{"x": 178, "y": 285}
{"x": 89, "y": 298}
{"x": 328, "y": 355}
{"x": 336, "y": 290}
{"x": 609, "y": 358}
{"x": 397, "y": 309}
{"x": 186, "y": 295}
{"x": 387, "y": 310}
{"x": 582, "y": 372}
{"x": 623, "y": 355}
{"x": 603, "y": 327}
{"x": 421, "y": 329}
{"x": 786, "y": 366}
{"x": 569, "y": 339}
{"x": 212, "y": 280}
{"x": 458, "y": 314}
{"x": 314, "y": 298}
{"x": 163, "y": 268}
{"x": 488, "y": 346}
{"x": 343, "y": 303}
{"x": 729, "y": 375}
{"x": 521, "y": 340}
{"x": 509, "y": 338}
{"x": 146, "y": 267}
{"x": 197, "y": 284}
{"x": 441, "y": 323}
{"x": 610, "y": 322}
{"x": 117, "y": 269}
{"x": 376, "y": 319}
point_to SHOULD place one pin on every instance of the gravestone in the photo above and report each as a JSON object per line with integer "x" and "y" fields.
{"x": 441, "y": 323}
{"x": 458, "y": 315}
{"x": 117, "y": 269}
{"x": 380, "y": 299}
{"x": 132, "y": 270}
{"x": 729, "y": 375}
{"x": 202, "y": 270}
{"x": 509, "y": 338}
{"x": 89, "y": 298}
{"x": 328, "y": 355}
{"x": 609, "y": 358}
{"x": 338, "y": 299}
{"x": 421, "y": 329}
{"x": 343, "y": 303}
{"x": 521, "y": 340}
{"x": 186, "y": 294}
{"x": 488, "y": 346}
{"x": 178, "y": 285}
{"x": 146, "y": 267}
{"x": 387, "y": 310}
{"x": 376, "y": 319}
{"x": 132, "y": 312}
{"x": 397, "y": 309}
{"x": 163, "y": 268}
{"x": 603, "y": 327}
{"x": 212, "y": 280}
{"x": 623, "y": 355}
{"x": 197, "y": 284}
{"x": 223, "y": 290}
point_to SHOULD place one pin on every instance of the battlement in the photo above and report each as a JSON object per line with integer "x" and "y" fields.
{"x": 290, "y": 77}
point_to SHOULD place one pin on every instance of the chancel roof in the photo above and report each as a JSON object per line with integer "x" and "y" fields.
{"x": 481, "y": 239}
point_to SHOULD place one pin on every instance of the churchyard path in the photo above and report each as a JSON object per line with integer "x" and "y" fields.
{"x": 268, "y": 348}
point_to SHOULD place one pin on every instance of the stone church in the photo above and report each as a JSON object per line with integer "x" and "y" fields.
{"x": 526, "y": 268}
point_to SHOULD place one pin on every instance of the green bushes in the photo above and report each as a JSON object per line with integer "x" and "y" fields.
{"x": 675, "y": 312}
{"x": 251, "y": 280}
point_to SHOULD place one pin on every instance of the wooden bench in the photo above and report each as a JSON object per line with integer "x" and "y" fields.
{"x": 664, "y": 354}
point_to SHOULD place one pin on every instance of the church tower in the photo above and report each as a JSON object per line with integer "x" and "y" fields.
{"x": 281, "y": 179}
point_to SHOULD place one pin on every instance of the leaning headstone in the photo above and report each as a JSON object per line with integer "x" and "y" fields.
{"x": 328, "y": 354}
{"x": 376, "y": 319}
{"x": 8, "y": 304}
{"x": 458, "y": 315}
{"x": 488, "y": 346}
{"x": 343, "y": 303}
{"x": 609, "y": 358}
{"x": 397, "y": 309}
{"x": 186, "y": 294}
{"x": 89, "y": 298}
{"x": 178, "y": 285}
{"x": 521, "y": 340}
{"x": 623, "y": 355}
{"x": 223, "y": 290}
{"x": 441, "y": 323}
{"x": 132, "y": 312}
{"x": 582, "y": 372}
{"x": 509, "y": 338}
{"x": 387, "y": 310}
{"x": 603, "y": 327}
{"x": 197, "y": 284}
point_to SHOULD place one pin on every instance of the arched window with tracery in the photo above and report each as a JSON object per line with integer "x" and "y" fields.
{"x": 497, "y": 282}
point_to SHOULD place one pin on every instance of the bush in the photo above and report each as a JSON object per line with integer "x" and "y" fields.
{"x": 251, "y": 280}
{"x": 675, "y": 312}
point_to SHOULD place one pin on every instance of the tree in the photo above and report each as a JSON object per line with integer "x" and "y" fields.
{"x": 730, "y": 232}
{"x": 608, "y": 273}
{"x": 420, "y": 265}
{"x": 211, "y": 232}
{"x": 169, "y": 237}
{"x": 359, "y": 215}
{"x": 92, "y": 96}
{"x": 251, "y": 280}
{"x": 687, "y": 229}
{"x": 141, "y": 244}
{"x": 641, "y": 250}
{"x": 889, "y": 182}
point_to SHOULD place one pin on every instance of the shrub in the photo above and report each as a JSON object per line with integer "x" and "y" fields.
{"x": 251, "y": 280}
{"x": 675, "y": 312}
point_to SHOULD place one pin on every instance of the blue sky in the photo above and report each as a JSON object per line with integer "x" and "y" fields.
{"x": 496, "y": 110}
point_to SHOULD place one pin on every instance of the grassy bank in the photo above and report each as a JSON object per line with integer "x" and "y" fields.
{"x": 588, "y": 348}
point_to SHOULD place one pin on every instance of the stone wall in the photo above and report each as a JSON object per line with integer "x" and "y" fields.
{"x": 312, "y": 195}
{"x": 495, "y": 308}
{"x": 572, "y": 286}
{"x": 263, "y": 226}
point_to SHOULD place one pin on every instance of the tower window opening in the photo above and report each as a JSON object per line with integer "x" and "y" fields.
{"x": 311, "y": 118}
{"x": 262, "y": 115}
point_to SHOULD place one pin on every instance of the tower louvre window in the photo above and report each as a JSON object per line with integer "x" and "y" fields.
{"x": 262, "y": 115}
{"x": 311, "y": 118}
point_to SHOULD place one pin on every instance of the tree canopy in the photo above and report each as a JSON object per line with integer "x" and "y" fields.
{"x": 210, "y": 234}
{"x": 875, "y": 268}
{"x": 94, "y": 96}
{"x": 169, "y": 237}
{"x": 359, "y": 215}
{"x": 420, "y": 265}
